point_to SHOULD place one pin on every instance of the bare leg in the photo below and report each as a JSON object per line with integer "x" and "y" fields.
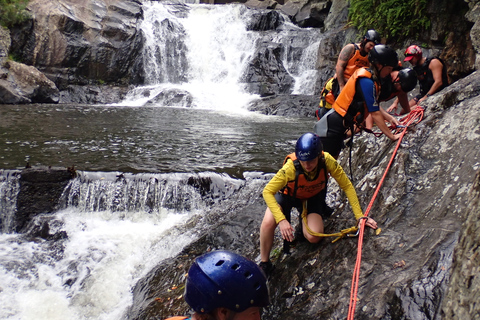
{"x": 267, "y": 233}
{"x": 369, "y": 122}
{"x": 315, "y": 223}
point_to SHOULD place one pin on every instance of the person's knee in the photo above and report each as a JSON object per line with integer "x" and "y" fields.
{"x": 268, "y": 223}
{"x": 312, "y": 239}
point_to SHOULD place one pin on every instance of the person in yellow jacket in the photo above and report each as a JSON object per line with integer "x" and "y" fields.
{"x": 223, "y": 285}
{"x": 301, "y": 183}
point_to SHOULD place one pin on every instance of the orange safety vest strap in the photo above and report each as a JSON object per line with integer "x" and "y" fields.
{"x": 355, "y": 62}
{"x": 346, "y": 97}
{"x": 301, "y": 188}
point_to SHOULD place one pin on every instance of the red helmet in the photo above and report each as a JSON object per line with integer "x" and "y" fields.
{"x": 413, "y": 51}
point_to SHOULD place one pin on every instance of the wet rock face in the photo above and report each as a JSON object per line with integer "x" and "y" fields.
{"x": 76, "y": 42}
{"x": 464, "y": 288}
{"x": 40, "y": 191}
{"x": 429, "y": 199}
{"x": 266, "y": 75}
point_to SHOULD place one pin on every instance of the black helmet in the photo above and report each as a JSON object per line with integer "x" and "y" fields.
{"x": 308, "y": 147}
{"x": 408, "y": 79}
{"x": 373, "y": 36}
{"x": 383, "y": 55}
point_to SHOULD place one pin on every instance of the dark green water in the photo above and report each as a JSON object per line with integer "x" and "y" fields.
{"x": 145, "y": 139}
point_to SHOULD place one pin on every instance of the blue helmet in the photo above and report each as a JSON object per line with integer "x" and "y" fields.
{"x": 223, "y": 279}
{"x": 308, "y": 147}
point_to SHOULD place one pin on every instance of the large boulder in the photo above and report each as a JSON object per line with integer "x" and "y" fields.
{"x": 286, "y": 105}
{"x": 266, "y": 75}
{"x": 25, "y": 84}
{"x": 82, "y": 42}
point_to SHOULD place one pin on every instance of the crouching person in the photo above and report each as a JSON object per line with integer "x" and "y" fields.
{"x": 301, "y": 183}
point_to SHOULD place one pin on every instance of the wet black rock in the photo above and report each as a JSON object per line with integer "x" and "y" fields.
{"x": 40, "y": 191}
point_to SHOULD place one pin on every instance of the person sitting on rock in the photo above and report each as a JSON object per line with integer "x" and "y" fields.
{"x": 431, "y": 73}
{"x": 352, "y": 57}
{"x": 301, "y": 184}
{"x": 356, "y": 101}
{"x": 223, "y": 285}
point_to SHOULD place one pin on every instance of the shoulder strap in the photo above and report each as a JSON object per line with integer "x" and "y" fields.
{"x": 298, "y": 171}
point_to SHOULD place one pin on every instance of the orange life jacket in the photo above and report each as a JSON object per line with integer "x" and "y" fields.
{"x": 301, "y": 188}
{"x": 330, "y": 92}
{"x": 346, "y": 104}
{"x": 177, "y": 318}
{"x": 355, "y": 62}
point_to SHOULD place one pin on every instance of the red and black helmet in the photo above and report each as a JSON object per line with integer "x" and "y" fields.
{"x": 413, "y": 51}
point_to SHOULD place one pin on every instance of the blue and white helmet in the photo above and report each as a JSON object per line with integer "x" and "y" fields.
{"x": 308, "y": 147}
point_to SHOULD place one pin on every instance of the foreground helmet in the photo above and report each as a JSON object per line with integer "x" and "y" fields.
{"x": 413, "y": 51}
{"x": 373, "y": 36}
{"x": 308, "y": 147}
{"x": 408, "y": 79}
{"x": 223, "y": 279}
{"x": 383, "y": 55}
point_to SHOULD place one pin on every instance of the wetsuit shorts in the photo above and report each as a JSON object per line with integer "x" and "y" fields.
{"x": 332, "y": 133}
{"x": 315, "y": 204}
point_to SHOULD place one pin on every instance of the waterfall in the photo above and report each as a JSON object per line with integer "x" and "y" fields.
{"x": 195, "y": 56}
{"x": 150, "y": 193}
{"x": 9, "y": 187}
{"x": 82, "y": 261}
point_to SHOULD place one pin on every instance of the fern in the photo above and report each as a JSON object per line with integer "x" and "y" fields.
{"x": 393, "y": 19}
{"x": 13, "y": 12}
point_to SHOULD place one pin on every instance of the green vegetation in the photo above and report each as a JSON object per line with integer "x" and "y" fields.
{"x": 394, "y": 19}
{"x": 12, "y": 12}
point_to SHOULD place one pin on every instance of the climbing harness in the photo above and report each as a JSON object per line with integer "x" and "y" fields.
{"x": 414, "y": 117}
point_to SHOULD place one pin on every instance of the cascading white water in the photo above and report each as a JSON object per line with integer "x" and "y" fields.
{"x": 201, "y": 51}
{"x": 114, "y": 228}
{"x": 9, "y": 186}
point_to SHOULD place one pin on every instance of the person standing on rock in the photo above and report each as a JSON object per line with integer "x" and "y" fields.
{"x": 301, "y": 183}
{"x": 431, "y": 73}
{"x": 356, "y": 101}
{"x": 223, "y": 285}
{"x": 352, "y": 57}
